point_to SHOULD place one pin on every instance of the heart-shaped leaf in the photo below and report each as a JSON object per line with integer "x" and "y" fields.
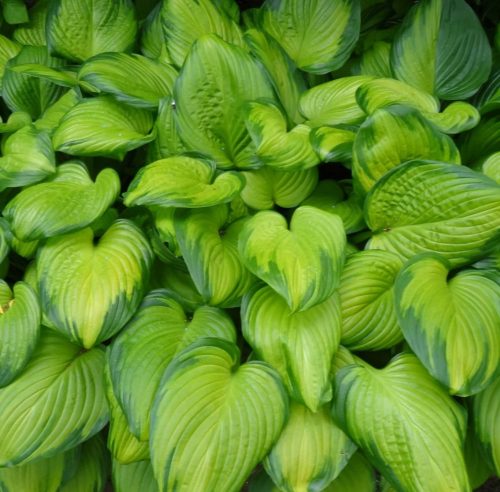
{"x": 204, "y": 435}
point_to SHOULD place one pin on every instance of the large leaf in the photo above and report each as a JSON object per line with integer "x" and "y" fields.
{"x": 69, "y": 201}
{"x": 33, "y": 32}
{"x": 133, "y": 477}
{"x": 366, "y": 290}
{"x": 300, "y": 346}
{"x": 58, "y": 401}
{"x": 204, "y": 434}
{"x": 141, "y": 353}
{"x": 8, "y": 49}
{"x": 214, "y": 83}
{"x": 19, "y": 328}
{"x": 452, "y": 325}
{"x": 52, "y": 116}
{"x": 381, "y": 409}
{"x": 310, "y": 452}
{"x": 318, "y": 35}
{"x": 442, "y": 49}
{"x": 79, "y": 29}
{"x": 431, "y": 206}
{"x": 302, "y": 260}
{"x": 89, "y": 289}
{"x": 183, "y": 181}
{"x": 101, "y": 126}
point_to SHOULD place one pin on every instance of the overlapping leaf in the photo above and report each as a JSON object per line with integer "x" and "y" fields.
{"x": 135, "y": 476}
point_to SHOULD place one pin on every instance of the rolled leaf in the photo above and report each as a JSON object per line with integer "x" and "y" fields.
{"x": 302, "y": 260}
{"x": 33, "y": 32}
{"x": 52, "y": 116}
{"x": 204, "y": 435}
{"x": 39, "y": 71}
{"x": 458, "y": 117}
{"x": 333, "y": 144}
{"x": 135, "y": 476}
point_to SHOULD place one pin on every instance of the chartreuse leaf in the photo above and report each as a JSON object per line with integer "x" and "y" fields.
{"x": 16, "y": 121}
{"x": 8, "y": 49}
{"x": 79, "y": 29}
{"x": 55, "y": 404}
{"x": 58, "y": 77}
{"x": 302, "y": 260}
{"x": 132, "y": 79}
{"x": 393, "y": 135}
{"x": 431, "y": 206}
{"x": 19, "y": 328}
{"x": 319, "y": 35}
{"x": 300, "y": 346}
{"x": 153, "y": 43}
{"x": 375, "y": 60}
{"x": 89, "y": 289}
{"x": 30, "y": 94}
{"x": 457, "y": 117}
{"x": 333, "y": 144}
{"x": 69, "y": 201}
{"x": 214, "y": 83}
{"x": 333, "y": 102}
{"x": 310, "y": 452}
{"x": 442, "y": 49}
{"x": 266, "y": 187}
{"x": 486, "y": 408}
{"x": 183, "y": 181}
{"x": 276, "y": 146}
{"x": 28, "y": 157}
{"x": 161, "y": 328}
{"x": 33, "y": 32}
{"x": 185, "y": 21}
{"x": 135, "y": 476}
{"x": 209, "y": 246}
{"x": 380, "y": 410}
{"x": 451, "y": 325}
{"x": 204, "y": 433}
{"x": 357, "y": 475}
{"x": 491, "y": 167}
{"x": 52, "y": 116}
{"x": 101, "y": 126}
{"x": 366, "y": 290}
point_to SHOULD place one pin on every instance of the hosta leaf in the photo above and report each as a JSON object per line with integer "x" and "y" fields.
{"x": 266, "y": 187}
{"x": 89, "y": 289}
{"x": 457, "y": 117}
{"x": 431, "y": 206}
{"x": 491, "y": 167}
{"x": 8, "y": 49}
{"x": 442, "y": 49}
{"x": 319, "y": 35}
{"x": 478, "y": 468}
{"x": 214, "y": 83}
{"x": 183, "y": 181}
{"x": 486, "y": 408}
{"x": 310, "y": 452}
{"x": 133, "y": 477}
{"x": 333, "y": 144}
{"x": 380, "y": 410}
{"x": 14, "y": 11}
{"x": 302, "y": 260}
{"x": 19, "y": 328}
{"x": 366, "y": 290}
{"x": 33, "y": 32}
{"x": 209, "y": 246}
{"x": 132, "y": 79}
{"x": 30, "y": 94}
{"x": 275, "y": 145}
{"x": 36, "y": 70}
{"x": 79, "y": 29}
{"x": 28, "y": 157}
{"x": 452, "y": 325}
{"x": 300, "y": 346}
{"x": 481, "y": 141}
{"x": 69, "y": 201}
{"x": 333, "y": 102}
{"x": 357, "y": 475}
{"x": 185, "y": 21}
{"x": 153, "y": 43}
{"x": 160, "y": 329}
{"x": 375, "y": 60}
{"x": 393, "y": 135}
{"x": 52, "y": 116}
{"x": 204, "y": 434}
{"x": 16, "y": 121}
{"x": 103, "y": 127}
{"x": 56, "y": 403}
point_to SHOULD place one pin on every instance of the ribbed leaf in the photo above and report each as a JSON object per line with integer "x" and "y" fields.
{"x": 478, "y": 468}
{"x": 333, "y": 144}
{"x": 491, "y": 167}
{"x": 442, "y": 49}
{"x": 19, "y": 328}
{"x": 33, "y": 32}
{"x": 357, "y": 476}
{"x": 302, "y": 260}
{"x": 318, "y": 35}
{"x": 431, "y": 206}
{"x": 143, "y": 350}
{"x": 481, "y": 141}
{"x": 36, "y": 70}
{"x": 214, "y": 83}
{"x": 380, "y": 410}
{"x": 133, "y": 477}
{"x": 153, "y": 43}
{"x": 79, "y": 29}
{"x": 55, "y": 404}
{"x": 89, "y": 289}
{"x": 457, "y": 117}
{"x": 375, "y": 60}
{"x": 103, "y": 127}
{"x": 133, "y": 79}
{"x": 8, "y": 49}
{"x": 52, "y": 116}
{"x": 393, "y": 135}
{"x": 69, "y": 201}
{"x": 204, "y": 433}
{"x": 451, "y": 324}
{"x": 366, "y": 290}
{"x": 310, "y": 452}
{"x": 183, "y": 181}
